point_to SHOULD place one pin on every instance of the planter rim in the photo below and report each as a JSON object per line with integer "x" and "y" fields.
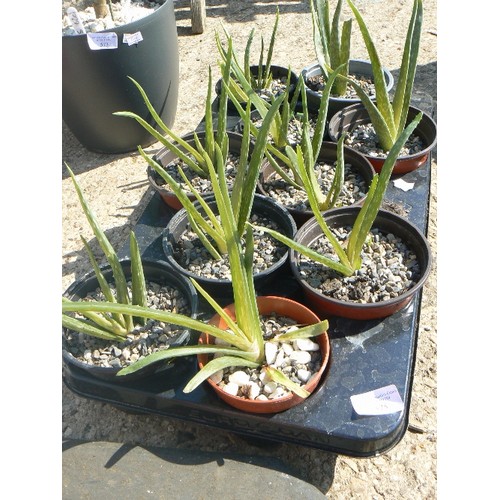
{"x": 365, "y": 119}
{"x": 210, "y": 199}
{"x": 125, "y": 28}
{"x": 315, "y": 66}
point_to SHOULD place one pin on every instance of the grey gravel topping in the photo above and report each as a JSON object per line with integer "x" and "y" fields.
{"x": 389, "y": 268}
{"x": 364, "y": 139}
{"x": 317, "y": 84}
{"x": 143, "y": 340}
{"x": 193, "y": 256}
{"x": 299, "y": 360}
{"x": 354, "y": 187}
{"x": 202, "y": 185}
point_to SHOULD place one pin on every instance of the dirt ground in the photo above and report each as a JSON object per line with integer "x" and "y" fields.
{"x": 116, "y": 188}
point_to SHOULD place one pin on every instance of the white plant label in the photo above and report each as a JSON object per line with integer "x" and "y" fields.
{"x": 132, "y": 39}
{"x": 102, "y": 41}
{"x": 381, "y": 401}
{"x": 76, "y": 22}
{"x": 401, "y": 184}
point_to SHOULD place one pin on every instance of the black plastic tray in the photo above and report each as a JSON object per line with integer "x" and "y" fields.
{"x": 366, "y": 355}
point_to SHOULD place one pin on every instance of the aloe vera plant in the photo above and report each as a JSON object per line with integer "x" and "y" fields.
{"x": 117, "y": 325}
{"x": 349, "y": 259}
{"x": 196, "y": 157}
{"x": 331, "y": 43}
{"x": 258, "y": 82}
{"x": 389, "y": 118}
{"x": 285, "y": 163}
{"x": 245, "y": 345}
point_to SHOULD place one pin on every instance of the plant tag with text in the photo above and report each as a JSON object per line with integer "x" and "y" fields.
{"x": 76, "y": 22}
{"x": 132, "y": 39}
{"x": 381, "y": 401}
{"x": 102, "y": 41}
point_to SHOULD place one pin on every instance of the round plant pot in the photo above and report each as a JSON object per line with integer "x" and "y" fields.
{"x": 335, "y": 104}
{"x": 284, "y": 307}
{"x": 223, "y": 288}
{"x": 276, "y": 71}
{"x": 328, "y": 153}
{"x": 154, "y": 271}
{"x": 164, "y": 157}
{"x": 351, "y": 117}
{"x": 386, "y": 222}
{"x": 95, "y": 83}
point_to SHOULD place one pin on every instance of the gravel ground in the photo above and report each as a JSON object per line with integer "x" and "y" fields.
{"x": 116, "y": 186}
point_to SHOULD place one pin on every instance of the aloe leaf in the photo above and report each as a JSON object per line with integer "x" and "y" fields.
{"x": 282, "y": 173}
{"x": 317, "y": 139}
{"x": 209, "y": 126}
{"x": 103, "y": 284}
{"x": 139, "y": 294}
{"x": 165, "y": 316}
{"x": 109, "y": 252}
{"x": 270, "y": 51}
{"x": 321, "y": 34}
{"x": 385, "y": 134}
{"x": 340, "y": 86}
{"x": 255, "y": 164}
{"x": 338, "y": 180}
{"x": 239, "y": 181}
{"x": 90, "y": 329}
{"x": 214, "y": 366}
{"x": 334, "y": 48}
{"x": 408, "y": 68}
{"x": 305, "y": 332}
{"x": 232, "y": 325}
{"x": 282, "y": 379}
{"x": 305, "y": 250}
{"x": 382, "y": 96}
{"x": 371, "y": 206}
{"x": 246, "y": 60}
{"x": 175, "y": 352}
{"x": 345, "y": 263}
{"x": 305, "y": 165}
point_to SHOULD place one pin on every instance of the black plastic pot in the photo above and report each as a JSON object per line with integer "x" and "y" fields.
{"x": 156, "y": 272}
{"x": 386, "y": 222}
{"x": 164, "y": 157}
{"x": 276, "y": 71}
{"x": 347, "y": 119}
{"x": 222, "y": 288}
{"x": 95, "y": 83}
{"x": 335, "y": 104}
{"x": 328, "y": 153}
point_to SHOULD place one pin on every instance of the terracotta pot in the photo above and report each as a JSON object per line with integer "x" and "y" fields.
{"x": 156, "y": 272}
{"x": 335, "y": 104}
{"x": 328, "y": 153}
{"x": 164, "y": 157}
{"x": 223, "y": 288}
{"x": 284, "y": 307}
{"x": 349, "y": 118}
{"x": 386, "y": 222}
{"x": 276, "y": 71}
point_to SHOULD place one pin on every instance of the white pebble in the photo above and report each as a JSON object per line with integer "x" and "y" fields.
{"x": 239, "y": 378}
{"x": 306, "y": 345}
{"x": 264, "y": 377}
{"x": 270, "y": 387}
{"x": 303, "y": 375}
{"x": 261, "y": 397}
{"x": 253, "y": 390}
{"x": 231, "y": 388}
{"x": 270, "y": 349}
{"x": 300, "y": 357}
{"x": 278, "y": 393}
{"x": 287, "y": 348}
